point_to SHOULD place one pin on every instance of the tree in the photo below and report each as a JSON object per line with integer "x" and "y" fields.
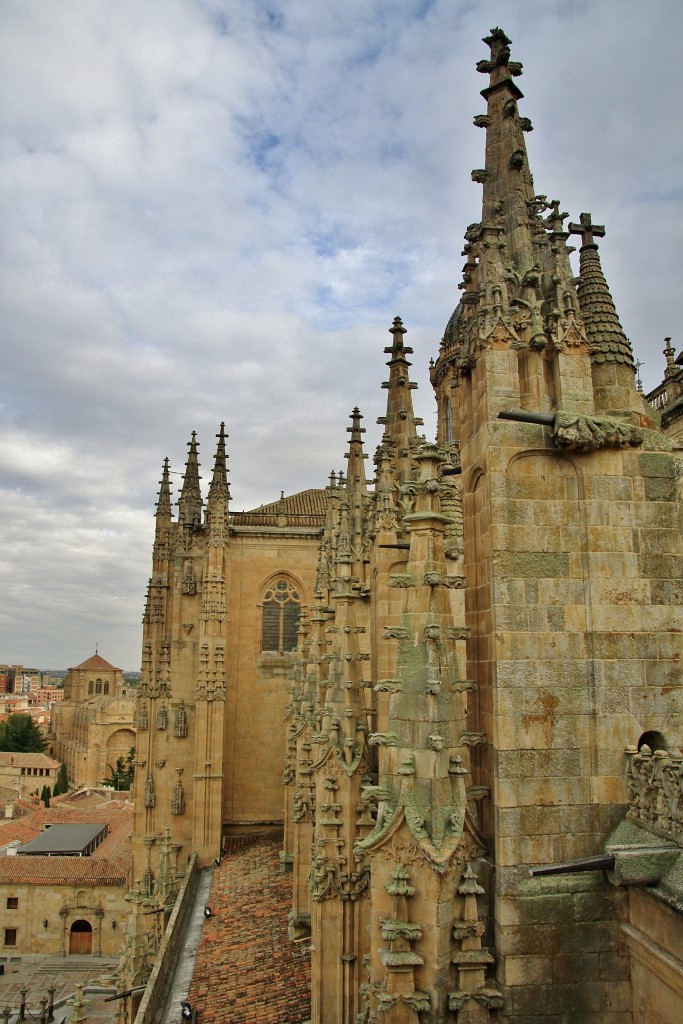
{"x": 121, "y": 776}
{"x": 62, "y": 782}
{"x": 20, "y": 735}
{"x": 45, "y": 795}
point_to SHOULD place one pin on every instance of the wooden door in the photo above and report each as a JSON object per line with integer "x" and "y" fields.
{"x": 80, "y": 939}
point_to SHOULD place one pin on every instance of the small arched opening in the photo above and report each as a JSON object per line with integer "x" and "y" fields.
{"x": 652, "y": 739}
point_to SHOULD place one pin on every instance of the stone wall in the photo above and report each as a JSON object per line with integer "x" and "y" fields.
{"x": 153, "y": 1001}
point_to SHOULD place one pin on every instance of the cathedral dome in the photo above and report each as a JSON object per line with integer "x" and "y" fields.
{"x": 450, "y": 334}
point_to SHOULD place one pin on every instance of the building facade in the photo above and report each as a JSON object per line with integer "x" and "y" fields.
{"x": 463, "y": 650}
{"x": 27, "y": 773}
{"x": 92, "y": 727}
{"x": 66, "y": 903}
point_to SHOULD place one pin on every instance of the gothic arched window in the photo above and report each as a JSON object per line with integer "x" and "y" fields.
{"x": 106, "y": 689}
{"x": 90, "y": 687}
{"x": 281, "y": 610}
{"x": 98, "y": 686}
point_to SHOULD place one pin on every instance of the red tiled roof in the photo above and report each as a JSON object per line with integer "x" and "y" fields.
{"x": 96, "y": 664}
{"x": 21, "y": 829}
{"x": 247, "y": 970}
{"x": 113, "y": 855}
{"x": 9, "y": 760}
{"x": 306, "y": 503}
{"x": 306, "y": 509}
{"x": 60, "y": 871}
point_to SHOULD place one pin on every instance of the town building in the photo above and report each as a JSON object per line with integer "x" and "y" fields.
{"x": 18, "y": 679}
{"x": 64, "y": 877}
{"x": 92, "y": 727}
{"x": 27, "y": 773}
{"x": 476, "y": 656}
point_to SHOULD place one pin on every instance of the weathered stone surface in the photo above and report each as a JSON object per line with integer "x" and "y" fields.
{"x": 481, "y": 635}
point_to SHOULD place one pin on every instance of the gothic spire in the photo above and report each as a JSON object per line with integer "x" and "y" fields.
{"x": 164, "y": 499}
{"x": 218, "y": 488}
{"x": 420, "y": 754}
{"x": 190, "y": 501}
{"x": 517, "y": 265}
{"x": 612, "y": 364}
{"x": 608, "y": 342}
{"x": 508, "y": 185}
{"x": 400, "y": 422}
{"x": 355, "y": 475}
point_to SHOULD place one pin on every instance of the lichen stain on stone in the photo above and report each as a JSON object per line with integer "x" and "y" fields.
{"x": 547, "y": 716}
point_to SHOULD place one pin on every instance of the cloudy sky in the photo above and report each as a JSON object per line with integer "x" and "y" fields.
{"x": 213, "y": 209}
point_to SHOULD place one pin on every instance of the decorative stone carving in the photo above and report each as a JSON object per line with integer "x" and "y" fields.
{"x": 588, "y": 433}
{"x": 142, "y": 718}
{"x": 147, "y": 882}
{"x": 178, "y": 799}
{"x": 300, "y": 807}
{"x": 214, "y": 605}
{"x": 149, "y": 798}
{"x": 383, "y": 739}
{"x": 395, "y": 633}
{"x": 655, "y": 791}
{"x": 189, "y": 584}
{"x": 180, "y": 721}
{"x": 471, "y": 960}
{"x": 402, "y": 580}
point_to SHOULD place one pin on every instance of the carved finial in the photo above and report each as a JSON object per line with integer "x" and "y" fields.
{"x": 587, "y": 230}
{"x": 606, "y": 337}
{"x": 355, "y": 477}
{"x": 355, "y": 417}
{"x": 219, "y": 481}
{"x": 190, "y": 501}
{"x": 164, "y": 498}
{"x": 554, "y": 220}
{"x": 669, "y": 352}
{"x": 499, "y": 44}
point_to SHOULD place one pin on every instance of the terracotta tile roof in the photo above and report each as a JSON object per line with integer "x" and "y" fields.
{"x": 22, "y": 829}
{"x": 27, "y": 761}
{"x": 113, "y": 855}
{"x": 95, "y": 664}
{"x": 307, "y": 508}
{"x": 247, "y": 970}
{"x": 60, "y": 871}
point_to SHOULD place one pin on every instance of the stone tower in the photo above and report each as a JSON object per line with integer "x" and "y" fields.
{"x": 572, "y": 536}
{"x": 461, "y": 652}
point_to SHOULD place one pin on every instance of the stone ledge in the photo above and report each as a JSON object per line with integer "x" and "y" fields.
{"x": 655, "y": 958}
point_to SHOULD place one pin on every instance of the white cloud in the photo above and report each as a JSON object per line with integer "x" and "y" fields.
{"x": 214, "y": 211}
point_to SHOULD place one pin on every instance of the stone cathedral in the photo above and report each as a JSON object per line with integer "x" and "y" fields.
{"x": 455, "y": 681}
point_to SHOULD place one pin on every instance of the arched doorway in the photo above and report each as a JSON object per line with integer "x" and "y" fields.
{"x": 80, "y": 939}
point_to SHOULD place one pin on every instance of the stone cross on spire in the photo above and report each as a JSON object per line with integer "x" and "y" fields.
{"x": 586, "y": 229}
{"x": 612, "y": 365}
